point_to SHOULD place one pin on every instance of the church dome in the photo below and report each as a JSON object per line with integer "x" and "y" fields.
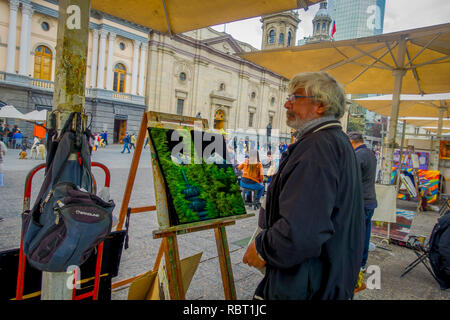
{"x": 323, "y": 11}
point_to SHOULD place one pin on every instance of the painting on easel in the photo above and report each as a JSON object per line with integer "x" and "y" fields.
{"x": 200, "y": 182}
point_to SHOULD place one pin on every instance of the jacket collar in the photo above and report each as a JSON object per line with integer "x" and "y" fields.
{"x": 320, "y": 126}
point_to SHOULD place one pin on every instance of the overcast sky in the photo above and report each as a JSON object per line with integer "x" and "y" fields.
{"x": 399, "y": 15}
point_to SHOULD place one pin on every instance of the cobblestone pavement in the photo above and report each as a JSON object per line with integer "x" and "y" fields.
{"x": 206, "y": 284}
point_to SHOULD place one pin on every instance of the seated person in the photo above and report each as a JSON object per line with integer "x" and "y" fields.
{"x": 23, "y": 153}
{"x": 252, "y": 174}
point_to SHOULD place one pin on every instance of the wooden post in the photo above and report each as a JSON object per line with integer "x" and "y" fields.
{"x": 225, "y": 263}
{"x": 68, "y": 97}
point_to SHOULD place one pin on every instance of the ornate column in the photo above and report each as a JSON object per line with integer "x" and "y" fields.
{"x": 25, "y": 38}
{"x": 101, "y": 59}
{"x": 134, "y": 74}
{"x": 109, "y": 66}
{"x": 28, "y": 69}
{"x": 94, "y": 58}
{"x": 12, "y": 31}
{"x": 142, "y": 67}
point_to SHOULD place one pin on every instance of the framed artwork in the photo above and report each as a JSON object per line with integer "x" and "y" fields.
{"x": 444, "y": 151}
{"x": 200, "y": 183}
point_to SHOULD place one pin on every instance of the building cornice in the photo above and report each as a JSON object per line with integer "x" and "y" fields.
{"x": 199, "y": 45}
{"x": 94, "y": 14}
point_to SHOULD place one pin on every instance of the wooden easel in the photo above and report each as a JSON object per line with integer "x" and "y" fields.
{"x": 168, "y": 234}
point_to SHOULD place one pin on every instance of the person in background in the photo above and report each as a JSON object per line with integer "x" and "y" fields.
{"x": 271, "y": 170}
{"x": 96, "y": 142}
{"x": 368, "y": 165}
{"x": 126, "y": 142}
{"x": 105, "y": 137}
{"x": 3, "y": 150}
{"x": 312, "y": 222}
{"x": 252, "y": 174}
{"x": 17, "y": 139}
{"x": 147, "y": 139}
{"x": 133, "y": 141}
{"x": 2, "y": 131}
{"x": 23, "y": 153}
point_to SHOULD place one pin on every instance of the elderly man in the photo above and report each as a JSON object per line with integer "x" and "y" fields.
{"x": 312, "y": 224}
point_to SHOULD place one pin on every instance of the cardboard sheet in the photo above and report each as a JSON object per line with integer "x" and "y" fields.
{"x": 386, "y": 197}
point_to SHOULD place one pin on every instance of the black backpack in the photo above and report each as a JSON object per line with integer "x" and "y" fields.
{"x": 67, "y": 220}
{"x": 439, "y": 251}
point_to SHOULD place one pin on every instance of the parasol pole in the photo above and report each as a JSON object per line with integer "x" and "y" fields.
{"x": 68, "y": 97}
{"x": 398, "y": 73}
{"x": 434, "y": 165}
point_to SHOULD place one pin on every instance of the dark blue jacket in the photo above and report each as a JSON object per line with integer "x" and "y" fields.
{"x": 368, "y": 165}
{"x": 313, "y": 228}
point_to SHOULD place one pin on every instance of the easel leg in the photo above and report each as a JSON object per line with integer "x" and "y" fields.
{"x": 160, "y": 254}
{"x": 173, "y": 268}
{"x": 133, "y": 170}
{"x": 225, "y": 263}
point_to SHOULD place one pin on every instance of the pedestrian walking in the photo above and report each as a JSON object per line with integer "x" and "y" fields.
{"x": 133, "y": 141}
{"x": 3, "y": 150}
{"x": 126, "y": 141}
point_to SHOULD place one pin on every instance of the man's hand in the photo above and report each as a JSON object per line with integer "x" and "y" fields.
{"x": 251, "y": 257}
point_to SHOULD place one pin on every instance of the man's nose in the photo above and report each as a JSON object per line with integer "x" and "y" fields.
{"x": 288, "y": 105}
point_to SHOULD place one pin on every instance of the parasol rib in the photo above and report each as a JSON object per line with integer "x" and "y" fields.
{"x": 371, "y": 56}
{"x": 429, "y": 62}
{"x": 167, "y": 18}
{"x": 422, "y": 50}
{"x": 348, "y": 60}
{"x": 367, "y": 68}
{"x": 414, "y": 71}
{"x": 392, "y": 55}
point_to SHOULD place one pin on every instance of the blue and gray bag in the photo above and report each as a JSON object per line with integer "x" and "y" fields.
{"x": 67, "y": 220}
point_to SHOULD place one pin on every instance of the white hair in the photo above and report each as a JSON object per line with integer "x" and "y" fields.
{"x": 324, "y": 88}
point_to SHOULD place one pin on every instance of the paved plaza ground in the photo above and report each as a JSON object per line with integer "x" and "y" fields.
{"x": 206, "y": 284}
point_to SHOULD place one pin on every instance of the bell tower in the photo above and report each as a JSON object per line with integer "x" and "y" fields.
{"x": 279, "y": 30}
{"x": 321, "y": 25}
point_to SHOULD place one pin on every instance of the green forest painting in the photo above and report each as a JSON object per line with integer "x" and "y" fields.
{"x": 197, "y": 190}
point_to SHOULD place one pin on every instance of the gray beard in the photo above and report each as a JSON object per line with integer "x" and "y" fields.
{"x": 302, "y": 126}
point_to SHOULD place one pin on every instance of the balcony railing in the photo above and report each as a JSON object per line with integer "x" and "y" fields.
{"x": 46, "y": 85}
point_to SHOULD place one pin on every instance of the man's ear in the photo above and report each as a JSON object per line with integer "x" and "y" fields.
{"x": 321, "y": 109}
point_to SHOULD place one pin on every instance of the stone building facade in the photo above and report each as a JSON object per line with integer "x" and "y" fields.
{"x": 198, "y": 71}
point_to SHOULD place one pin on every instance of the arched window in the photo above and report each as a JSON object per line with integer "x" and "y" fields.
{"x": 289, "y": 38}
{"x": 43, "y": 63}
{"x": 120, "y": 76}
{"x": 323, "y": 26}
{"x": 272, "y": 36}
{"x": 281, "y": 39}
{"x": 318, "y": 27}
